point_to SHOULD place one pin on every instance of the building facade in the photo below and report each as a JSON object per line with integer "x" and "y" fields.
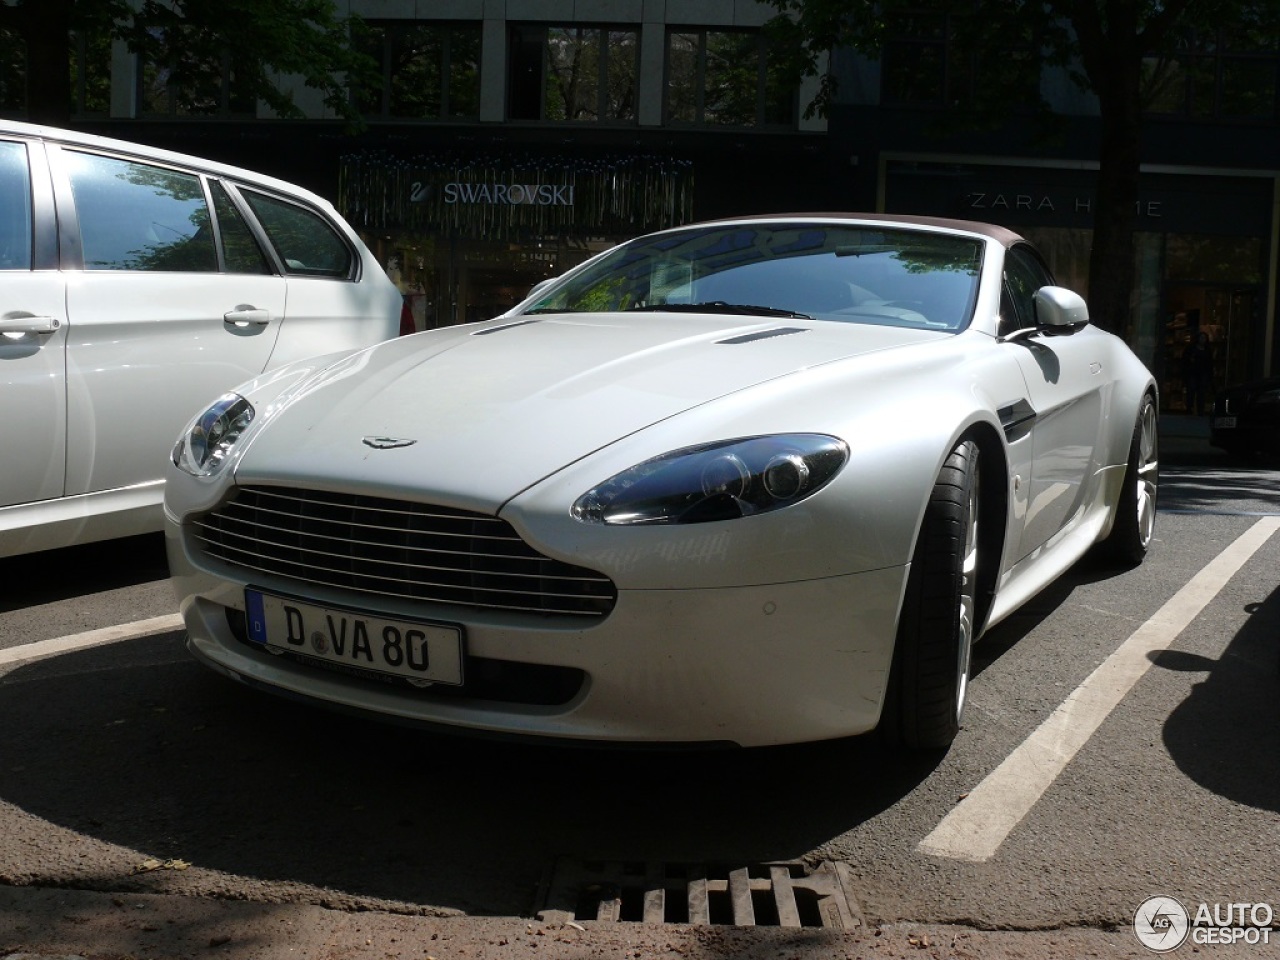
{"x": 508, "y": 140}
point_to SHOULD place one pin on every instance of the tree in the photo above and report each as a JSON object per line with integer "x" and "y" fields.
{"x": 264, "y": 40}
{"x": 1122, "y": 51}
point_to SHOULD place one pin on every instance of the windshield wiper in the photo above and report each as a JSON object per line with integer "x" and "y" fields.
{"x": 720, "y": 306}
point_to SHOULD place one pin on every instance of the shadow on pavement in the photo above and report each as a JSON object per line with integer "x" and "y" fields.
{"x": 53, "y": 575}
{"x": 1226, "y": 735}
{"x": 136, "y": 746}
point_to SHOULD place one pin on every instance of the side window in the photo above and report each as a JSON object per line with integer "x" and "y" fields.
{"x": 1024, "y": 274}
{"x": 306, "y": 242}
{"x": 134, "y": 216}
{"x": 15, "y": 212}
{"x": 240, "y": 251}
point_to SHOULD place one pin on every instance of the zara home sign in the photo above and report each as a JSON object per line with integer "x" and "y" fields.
{"x": 1043, "y": 203}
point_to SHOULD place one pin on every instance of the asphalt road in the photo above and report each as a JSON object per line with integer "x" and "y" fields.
{"x": 132, "y": 781}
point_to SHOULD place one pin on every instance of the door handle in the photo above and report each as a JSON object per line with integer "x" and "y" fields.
{"x": 24, "y": 323}
{"x": 247, "y": 315}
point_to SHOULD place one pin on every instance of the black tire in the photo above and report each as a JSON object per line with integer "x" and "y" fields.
{"x": 930, "y": 681}
{"x": 1134, "y": 525}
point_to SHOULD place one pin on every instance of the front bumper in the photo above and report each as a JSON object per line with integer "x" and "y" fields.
{"x": 752, "y": 665}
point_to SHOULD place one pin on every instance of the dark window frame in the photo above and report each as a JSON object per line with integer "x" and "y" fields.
{"x": 179, "y": 104}
{"x": 762, "y": 119}
{"x": 449, "y": 39}
{"x": 525, "y": 37}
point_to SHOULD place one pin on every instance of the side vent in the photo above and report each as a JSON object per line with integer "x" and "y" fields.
{"x": 765, "y": 335}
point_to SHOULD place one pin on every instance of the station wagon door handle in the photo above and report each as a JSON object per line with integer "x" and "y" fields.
{"x": 246, "y": 315}
{"x": 21, "y": 323}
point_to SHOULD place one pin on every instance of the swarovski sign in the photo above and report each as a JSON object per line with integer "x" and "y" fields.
{"x": 514, "y": 194}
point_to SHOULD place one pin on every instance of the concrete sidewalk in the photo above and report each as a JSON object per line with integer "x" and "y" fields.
{"x": 73, "y": 924}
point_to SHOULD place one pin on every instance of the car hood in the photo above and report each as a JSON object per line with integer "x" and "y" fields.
{"x": 471, "y": 416}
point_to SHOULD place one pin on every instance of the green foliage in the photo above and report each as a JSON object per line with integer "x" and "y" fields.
{"x": 186, "y": 44}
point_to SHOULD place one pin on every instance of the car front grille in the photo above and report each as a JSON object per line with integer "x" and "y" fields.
{"x": 396, "y": 548}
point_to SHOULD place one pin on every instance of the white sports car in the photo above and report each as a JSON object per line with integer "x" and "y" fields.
{"x": 753, "y": 482}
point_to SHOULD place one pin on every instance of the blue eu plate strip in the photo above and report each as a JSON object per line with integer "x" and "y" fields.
{"x": 256, "y": 616}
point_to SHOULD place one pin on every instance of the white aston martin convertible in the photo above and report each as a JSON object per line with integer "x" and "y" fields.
{"x": 751, "y": 482}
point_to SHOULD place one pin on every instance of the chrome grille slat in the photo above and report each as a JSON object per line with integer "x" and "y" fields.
{"x": 375, "y": 545}
{"x": 425, "y": 553}
{"x": 318, "y": 567}
{"x": 231, "y": 511}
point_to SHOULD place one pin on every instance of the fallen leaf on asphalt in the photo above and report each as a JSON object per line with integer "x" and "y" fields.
{"x": 151, "y": 863}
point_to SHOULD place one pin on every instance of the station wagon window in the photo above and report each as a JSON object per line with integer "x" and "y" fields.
{"x": 135, "y": 216}
{"x": 15, "y": 213}
{"x": 240, "y": 251}
{"x": 306, "y": 242}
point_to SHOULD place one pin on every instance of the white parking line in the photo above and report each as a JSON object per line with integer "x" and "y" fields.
{"x": 91, "y": 638}
{"x": 976, "y": 827}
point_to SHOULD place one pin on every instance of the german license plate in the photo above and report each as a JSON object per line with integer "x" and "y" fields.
{"x": 1224, "y": 423}
{"x": 425, "y": 652}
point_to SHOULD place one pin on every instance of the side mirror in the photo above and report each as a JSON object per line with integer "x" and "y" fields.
{"x": 1059, "y": 307}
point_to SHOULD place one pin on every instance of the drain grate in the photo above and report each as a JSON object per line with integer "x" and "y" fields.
{"x": 768, "y": 894}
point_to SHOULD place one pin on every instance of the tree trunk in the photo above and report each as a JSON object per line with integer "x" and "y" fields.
{"x": 1112, "y": 258}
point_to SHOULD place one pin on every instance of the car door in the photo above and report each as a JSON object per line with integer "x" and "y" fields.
{"x": 173, "y": 304}
{"x": 33, "y": 331}
{"x": 1065, "y": 379}
{"x": 327, "y": 308}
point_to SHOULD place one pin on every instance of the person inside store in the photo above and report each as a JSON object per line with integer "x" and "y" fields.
{"x": 1197, "y": 372}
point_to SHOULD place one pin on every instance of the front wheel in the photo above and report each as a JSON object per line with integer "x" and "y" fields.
{"x": 930, "y": 682}
{"x": 1135, "y": 521}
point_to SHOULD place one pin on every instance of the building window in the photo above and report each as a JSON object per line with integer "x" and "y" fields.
{"x": 937, "y": 60}
{"x": 91, "y": 73}
{"x": 572, "y": 74}
{"x": 181, "y": 83}
{"x": 90, "y": 60}
{"x": 429, "y": 71}
{"x": 724, "y": 78}
{"x": 13, "y": 74}
{"x": 1229, "y": 75}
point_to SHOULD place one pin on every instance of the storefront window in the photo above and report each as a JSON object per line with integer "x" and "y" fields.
{"x": 429, "y": 71}
{"x": 573, "y": 74}
{"x": 726, "y": 78}
{"x": 465, "y": 236}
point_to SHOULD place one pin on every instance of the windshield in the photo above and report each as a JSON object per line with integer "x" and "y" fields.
{"x": 843, "y": 273}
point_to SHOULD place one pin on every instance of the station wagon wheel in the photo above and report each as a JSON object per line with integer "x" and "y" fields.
{"x": 936, "y": 629}
{"x": 1134, "y": 525}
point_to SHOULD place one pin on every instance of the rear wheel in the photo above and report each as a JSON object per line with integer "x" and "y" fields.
{"x": 936, "y": 628}
{"x": 1135, "y": 522}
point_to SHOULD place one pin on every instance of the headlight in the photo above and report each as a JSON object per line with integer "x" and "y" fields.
{"x": 201, "y": 450}
{"x": 716, "y": 481}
